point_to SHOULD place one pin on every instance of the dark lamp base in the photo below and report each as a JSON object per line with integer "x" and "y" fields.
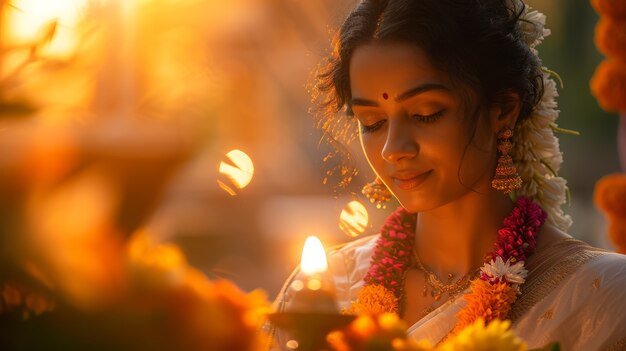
{"x": 310, "y": 328}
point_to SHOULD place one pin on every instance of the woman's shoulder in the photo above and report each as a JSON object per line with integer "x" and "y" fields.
{"x": 608, "y": 266}
{"x": 560, "y": 260}
{"x": 556, "y": 248}
{"x": 574, "y": 294}
{"x": 560, "y": 256}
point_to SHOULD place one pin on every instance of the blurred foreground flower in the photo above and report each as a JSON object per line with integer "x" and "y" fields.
{"x": 196, "y": 313}
{"x": 90, "y": 141}
{"x": 386, "y": 332}
{"x": 375, "y": 332}
{"x": 17, "y": 297}
{"x": 76, "y": 274}
{"x": 495, "y": 336}
{"x": 162, "y": 304}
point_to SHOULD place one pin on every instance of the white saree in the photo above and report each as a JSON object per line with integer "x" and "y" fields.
{"x": 574, "y": 294}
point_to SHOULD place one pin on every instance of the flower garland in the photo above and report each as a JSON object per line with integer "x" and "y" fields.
{"x": 491, "y": 295}
{"x": 536, "y": 148}
{"x": 388, "y": 332}
{"x": 392, "y": 255}
{"x": 608, "y": 83}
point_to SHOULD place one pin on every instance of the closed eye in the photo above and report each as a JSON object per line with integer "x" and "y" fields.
{"x": 371, "y": 127}
{"x": 428, "y": 118}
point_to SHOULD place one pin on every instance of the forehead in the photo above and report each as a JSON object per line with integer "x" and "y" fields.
{"x": 391, "y": 68}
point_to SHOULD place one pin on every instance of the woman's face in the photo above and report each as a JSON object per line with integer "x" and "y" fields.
{"x": 414, "y": 130}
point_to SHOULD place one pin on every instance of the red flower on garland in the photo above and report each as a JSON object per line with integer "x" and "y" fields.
{"x": 518, "y": 238}
{"x": 392, "y": 254}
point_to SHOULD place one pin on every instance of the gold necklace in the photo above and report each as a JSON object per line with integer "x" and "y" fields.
{"x": 437, "y": 287}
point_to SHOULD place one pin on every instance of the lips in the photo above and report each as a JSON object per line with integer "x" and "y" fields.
{"x": 409, "y": 181}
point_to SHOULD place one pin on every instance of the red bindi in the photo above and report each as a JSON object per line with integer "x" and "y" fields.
{"x": 385, "y": 96}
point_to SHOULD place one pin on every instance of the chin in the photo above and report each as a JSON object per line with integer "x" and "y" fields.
{"x": 415, "y": 204}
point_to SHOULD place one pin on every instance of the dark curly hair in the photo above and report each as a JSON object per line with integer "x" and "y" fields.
{"x": 478, "y": 43}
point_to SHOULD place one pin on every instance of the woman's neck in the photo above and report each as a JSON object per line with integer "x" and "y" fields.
{"x": 454, "y": 238}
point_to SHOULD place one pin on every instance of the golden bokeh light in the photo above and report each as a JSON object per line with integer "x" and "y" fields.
{"x": 314, "y": 284}
{"x": 292, "y": 344}
{"x": 31, "y": 20}
{"x": 238, "y": 169}
{"x": 353, "y": 219}
{"x": 297, "y": 285}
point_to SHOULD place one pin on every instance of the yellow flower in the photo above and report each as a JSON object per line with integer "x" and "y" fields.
{"x": 411, "y": 345}
{"x": 391, "y": 322}
{"x": 496, "y": 336}
{"x": 374, "y": 299}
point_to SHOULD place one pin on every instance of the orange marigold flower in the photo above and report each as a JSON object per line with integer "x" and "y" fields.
{"x": 610, "y": 197}
{"x": 337, "y": 341}
{"x": 374, "y": 299}
{"x": 617, "y": 234}
{"x": 610, "y": 8}
{"x": 39, "y": 303}
{"x": 10, "y": 296}
{"x": 608, "y": 85}
{"x": 487, "y": 301}
{"x": 610, "y": 37}
{"x": 382, "y": 332}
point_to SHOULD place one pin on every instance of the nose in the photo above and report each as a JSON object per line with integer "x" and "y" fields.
{"x": 401, "y": 143}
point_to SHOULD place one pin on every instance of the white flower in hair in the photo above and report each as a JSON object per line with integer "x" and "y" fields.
{"x": 536, "y": 150}
{"x": 497, "y": 270}
{"x": 532, "y": 23}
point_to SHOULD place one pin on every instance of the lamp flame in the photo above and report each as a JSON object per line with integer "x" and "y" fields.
{"x": 313, "y": 257}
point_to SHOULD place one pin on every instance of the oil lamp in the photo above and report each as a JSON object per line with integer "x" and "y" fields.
{"x": 312, "y": 312}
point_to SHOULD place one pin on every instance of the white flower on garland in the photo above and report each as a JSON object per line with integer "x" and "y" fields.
{"x": 497, "y": 271}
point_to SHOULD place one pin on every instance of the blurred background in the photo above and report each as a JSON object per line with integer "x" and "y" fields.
{"x": 187, "y": 121}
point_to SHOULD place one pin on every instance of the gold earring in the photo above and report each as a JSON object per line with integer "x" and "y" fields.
{"x": 506, "y": 178}
{"x": 377, "y": 193}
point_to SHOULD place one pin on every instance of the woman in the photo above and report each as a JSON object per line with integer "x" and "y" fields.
{"x": 456, "y": 117}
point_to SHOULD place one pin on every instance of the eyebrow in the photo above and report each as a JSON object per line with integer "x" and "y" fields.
{"x": 404, "y": 96}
